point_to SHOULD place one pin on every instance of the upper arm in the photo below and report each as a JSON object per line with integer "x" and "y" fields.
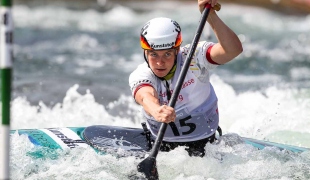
{"x": 140, "y": 78}
{"x": 145, "y": 91}
{"x": 220, "y": 56}
{"x": 229, "y": 46}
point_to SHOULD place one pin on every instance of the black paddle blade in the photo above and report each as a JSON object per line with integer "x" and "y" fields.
{"x": 148, "y": 168}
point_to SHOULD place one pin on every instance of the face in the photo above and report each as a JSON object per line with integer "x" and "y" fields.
{"x": 161, "y": 61}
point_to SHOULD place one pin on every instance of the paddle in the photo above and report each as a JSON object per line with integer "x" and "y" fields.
{"x": 148, "y": 165}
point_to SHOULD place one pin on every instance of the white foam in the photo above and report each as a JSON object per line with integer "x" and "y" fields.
{"x": 250, "y": 114}
{"x": 259, "y": 114}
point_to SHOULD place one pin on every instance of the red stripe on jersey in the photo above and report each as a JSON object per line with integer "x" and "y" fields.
{"x": 139, "y": 87}
{"x": 209, "y": 56}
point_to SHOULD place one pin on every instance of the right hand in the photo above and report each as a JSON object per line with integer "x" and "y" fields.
{"x": 164, "y": 114}
{"x": 202, "y": 4}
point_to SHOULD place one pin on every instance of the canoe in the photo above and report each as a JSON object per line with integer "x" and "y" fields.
{"x": 106, "y": 139}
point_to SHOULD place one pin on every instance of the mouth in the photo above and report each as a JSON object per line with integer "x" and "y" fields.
{"x": 161, "y": 72}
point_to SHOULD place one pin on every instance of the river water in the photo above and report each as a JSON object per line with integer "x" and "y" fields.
{"x": 71, "y": 69}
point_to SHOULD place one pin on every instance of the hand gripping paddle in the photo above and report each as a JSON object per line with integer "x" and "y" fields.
{"x": 148, "y": 165}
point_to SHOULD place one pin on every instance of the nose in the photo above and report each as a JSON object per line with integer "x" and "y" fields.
{"x": 160, "y": 61}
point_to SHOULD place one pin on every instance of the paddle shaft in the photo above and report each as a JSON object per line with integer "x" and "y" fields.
{"x": 181, "y": 78}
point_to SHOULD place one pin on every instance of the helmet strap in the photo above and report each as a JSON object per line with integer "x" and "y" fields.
{"x": 147, "y": 62}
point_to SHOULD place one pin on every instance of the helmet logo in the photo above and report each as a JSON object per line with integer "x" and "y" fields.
{"x": 177, "y": 26}
{"x": 144, "y": 28}
{"x": 167, "y": 45}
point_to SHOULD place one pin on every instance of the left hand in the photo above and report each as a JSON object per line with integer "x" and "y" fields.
{"x": 202, "y": 4}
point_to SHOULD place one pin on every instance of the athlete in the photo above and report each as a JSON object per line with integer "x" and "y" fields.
{"x": 194, "y": 119}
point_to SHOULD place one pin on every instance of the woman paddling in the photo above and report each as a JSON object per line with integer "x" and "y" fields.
{"x": 194, "y": 119}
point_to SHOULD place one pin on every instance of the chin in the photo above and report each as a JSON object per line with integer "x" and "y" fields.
{"x": 161, "y": 75}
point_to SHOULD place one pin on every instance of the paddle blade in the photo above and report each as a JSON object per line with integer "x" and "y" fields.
{"x": 148, "y": 168}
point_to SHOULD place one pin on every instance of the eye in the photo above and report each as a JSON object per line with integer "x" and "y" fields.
{"x": 168, "y": 54}
{"x": 153, "y": 54}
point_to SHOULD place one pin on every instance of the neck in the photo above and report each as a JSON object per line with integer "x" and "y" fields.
{"x": 171, "y": 72}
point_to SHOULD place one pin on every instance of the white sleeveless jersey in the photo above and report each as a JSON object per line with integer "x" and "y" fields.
{"x": 196, "y": 106}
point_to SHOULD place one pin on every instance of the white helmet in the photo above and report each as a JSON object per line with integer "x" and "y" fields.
{"x": 160, "y": 33}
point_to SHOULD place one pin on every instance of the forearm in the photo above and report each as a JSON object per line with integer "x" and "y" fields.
{"x": 229, "y": 43}
{"x": 147, "y": 97}
{"x": 149, "y": 103}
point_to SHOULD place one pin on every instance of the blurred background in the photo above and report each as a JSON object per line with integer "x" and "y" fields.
{"x": 95, "y": 43}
